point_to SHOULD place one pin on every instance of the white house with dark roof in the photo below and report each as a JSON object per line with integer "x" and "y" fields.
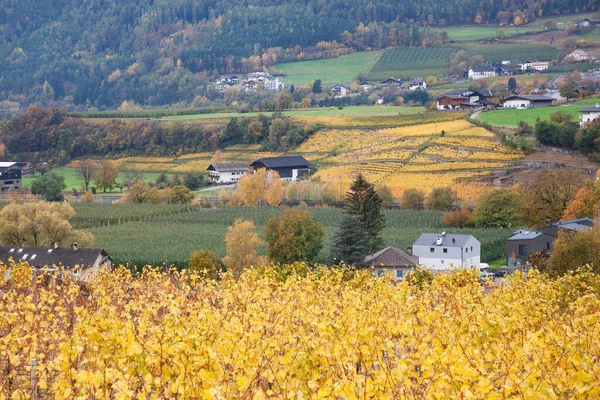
{"x": 224, "y": 173}
{"x": 527, "y": 101}
{"x": 589, "y": 114}
{"x": 481, "y": 72}
{"x": 447, "y": 251}
{"x": 417, "y": 84}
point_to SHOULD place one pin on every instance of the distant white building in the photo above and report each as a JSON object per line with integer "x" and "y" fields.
{"x": 366, "y": 86}
{"x": 274, "y": 83}
{"x": 526, "y": 101}
{"x": 447, "y": 251}
{"x": 417, "y": 84}
{"x": 578, "y": 55}
{"x": 589, "y": 114}
{"x": 222, "y": 173}
{"x": 476, "y": 73}
{"x": 339, "y": 90}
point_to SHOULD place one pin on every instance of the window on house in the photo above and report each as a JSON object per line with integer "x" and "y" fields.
{"x": 471, "y": 248}
{"x": 432, "y": 249}
{"x": 522, "y": 249}
{"x": 547, "y": 245}
{"x": 442, "y": 261}
{"x": 399, "y": 273}
{"x": 467, "y": 250}
{"x": 379, "y": 273}
{"x": 445, "y": 250}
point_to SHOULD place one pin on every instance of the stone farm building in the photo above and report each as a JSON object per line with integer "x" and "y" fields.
{"x": 589, "y": 114}
{"x": 11, "y": 175}
{"x": 391, "y": 260}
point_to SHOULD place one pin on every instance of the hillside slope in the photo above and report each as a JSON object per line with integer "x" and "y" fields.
{"x": 100, "y": 53}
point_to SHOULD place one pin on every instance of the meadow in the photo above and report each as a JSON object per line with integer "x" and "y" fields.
{"x": 73, "y": 180}
{"x": 323, "y": 334}
{"x": 351, "y": 111}
{"x": 510, "y": 117}
{"x": 166, "y": 234}
{"x": 510, "y": 51}
{"x": 407, "y": 63}
{"x": 333, "y": 70}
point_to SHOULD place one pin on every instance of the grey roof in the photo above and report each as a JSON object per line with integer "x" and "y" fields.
{"x": 524, "y": 234}
{"x": 576, "y": 227}
{"x": 532, "y": 97}
{"x": 469, "y": 92}
{"x": 483, "y": 68}
{"x": 40, "y": 256}
{"x": 227, "y": 167}
{"x": 575, "y": 221}
{"x": 590, "y": 109}
{"x": 282, "y": 162}
{"x": 453, "y": 96}
{"x": 391, "y": 257}
{"x": 448, "y": 240}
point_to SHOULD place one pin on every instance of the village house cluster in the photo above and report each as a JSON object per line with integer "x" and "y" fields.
{"x": 251, "y": 82}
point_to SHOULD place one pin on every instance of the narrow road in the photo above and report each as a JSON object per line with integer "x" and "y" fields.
{"x": 475, "y": 114}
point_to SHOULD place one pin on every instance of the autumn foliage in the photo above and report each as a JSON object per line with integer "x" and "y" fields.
{"x": 327, "y": 334}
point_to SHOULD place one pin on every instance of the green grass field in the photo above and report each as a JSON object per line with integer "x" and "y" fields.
{"x": 334, "y": 70}
{"x": 509, "y": 117}
{"x": 461, "y": 33}
{"x": 73, "y": 180}
{"x": 354, "y": 111}
{"x": 406, "y": 63}
{"x": 167, "y": 234}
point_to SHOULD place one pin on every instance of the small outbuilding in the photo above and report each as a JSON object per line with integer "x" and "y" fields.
{"x": 527, "y": 101}
{"x": 391, "y": 260}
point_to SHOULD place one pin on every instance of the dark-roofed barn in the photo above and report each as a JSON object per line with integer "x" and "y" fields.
{"x": 291, "y": 168}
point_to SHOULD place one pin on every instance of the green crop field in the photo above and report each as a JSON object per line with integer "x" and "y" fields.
{"x": 408, "y": 62}
{"x": 334, "y": 70}
{"x": 510, "y": 51}
{"x": 509, "y": 117}
{"x": 167, "y": 234}
{"x": 353, "y": 111}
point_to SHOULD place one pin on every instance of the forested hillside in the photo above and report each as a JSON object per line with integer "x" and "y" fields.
{"x": 99, "y": 53}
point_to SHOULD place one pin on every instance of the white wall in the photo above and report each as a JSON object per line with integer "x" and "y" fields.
{"x": 517, "y": 103}
{"x": 589, "y": 116}
{"x": 227, "y": 177}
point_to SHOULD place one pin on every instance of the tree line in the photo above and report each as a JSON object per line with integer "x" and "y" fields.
{"x": 49, "y": 135}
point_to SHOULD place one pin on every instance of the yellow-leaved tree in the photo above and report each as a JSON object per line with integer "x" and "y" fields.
{"x": 241, "y": 243}
{"x": 274, "y": 192}
{"x": 251, "y": 188}
{"x": 40, "y": 224}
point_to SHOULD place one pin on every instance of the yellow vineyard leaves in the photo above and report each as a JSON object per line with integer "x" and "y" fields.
{"x": 328, "y": 334}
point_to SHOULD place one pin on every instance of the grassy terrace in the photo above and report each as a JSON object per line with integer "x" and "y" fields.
{"x": 357, "y": 111}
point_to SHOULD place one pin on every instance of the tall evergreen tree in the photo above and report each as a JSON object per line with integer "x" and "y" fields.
{"x": 350, "y": 244}
{"x": 363, "y": 201}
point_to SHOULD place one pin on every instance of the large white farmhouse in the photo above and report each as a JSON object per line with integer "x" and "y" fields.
{"x": 447, "y": 251}
{"x": 227, "y": 173}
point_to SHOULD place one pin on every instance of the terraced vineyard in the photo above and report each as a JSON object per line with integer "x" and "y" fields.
{"x": 407, "y": 62}
{"x": 422, "y": 156}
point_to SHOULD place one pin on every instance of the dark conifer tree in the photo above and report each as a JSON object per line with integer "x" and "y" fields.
{"x": 351, "y": 244}
{"x": 363, "y": 201}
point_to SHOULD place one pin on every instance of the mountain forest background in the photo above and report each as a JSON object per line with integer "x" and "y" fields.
{"x": 100, "y": 53}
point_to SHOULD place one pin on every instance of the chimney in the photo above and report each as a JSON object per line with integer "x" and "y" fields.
{"x": 56, "y": 245}
{"x": 439, "y": 241}
{"x": 75, "y": 246}
{"x": 597, "y": 105}
{"x": 409, "y": 250}
{"x": 444, "y": 232}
